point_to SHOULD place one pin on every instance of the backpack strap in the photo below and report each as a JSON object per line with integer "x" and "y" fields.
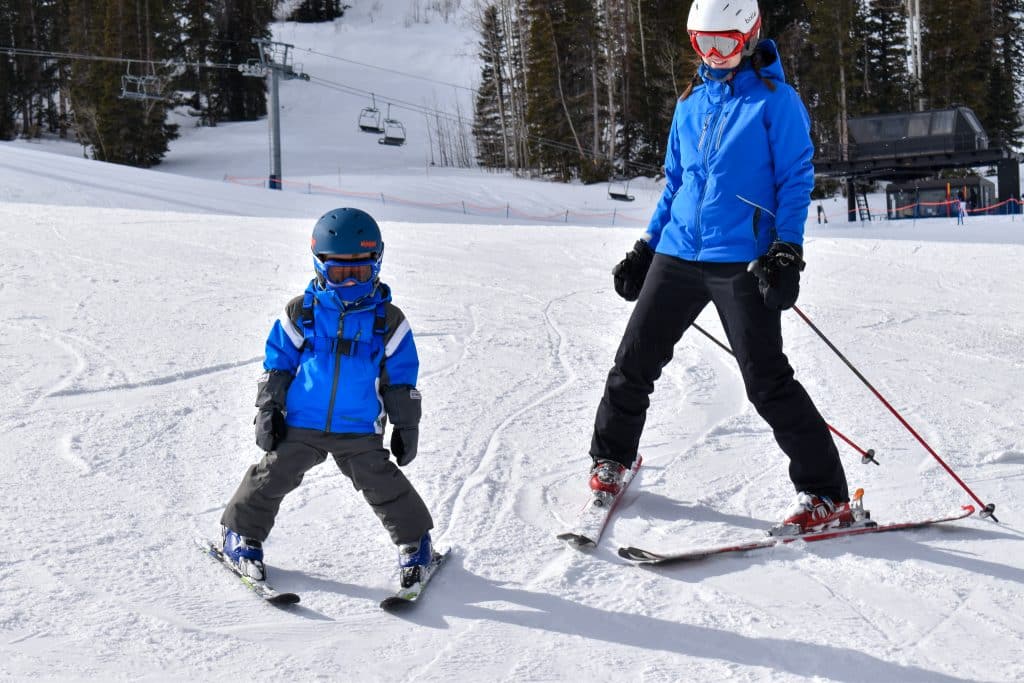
{"x": 380, "y": 328}
{"x": 347, "y": 347}
{"x": 306, "y": 320}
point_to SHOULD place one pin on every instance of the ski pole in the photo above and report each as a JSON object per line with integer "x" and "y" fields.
{"x": 865, "y": 456}
{"x": 986, "y": 510}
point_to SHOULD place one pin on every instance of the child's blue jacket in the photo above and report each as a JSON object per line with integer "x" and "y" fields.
{"x": 343, "y": 357}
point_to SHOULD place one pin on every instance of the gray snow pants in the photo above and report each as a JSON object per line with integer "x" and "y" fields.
{"x": 363, "y": 459}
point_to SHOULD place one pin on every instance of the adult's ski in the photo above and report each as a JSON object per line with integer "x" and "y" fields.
{"x": 405, "y": 597}
{"x": 593, "y": 518}
{"x": 260, "y": 588}
{"x": 642, "y": 556}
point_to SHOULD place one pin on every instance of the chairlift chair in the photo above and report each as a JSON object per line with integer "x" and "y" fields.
{"x": 370, "y": 118}
{"x": 135, "y": 87}
{"x": 394, "y": 133}
{"x": 619, "y": 191}
{"x": 369, "y": 121}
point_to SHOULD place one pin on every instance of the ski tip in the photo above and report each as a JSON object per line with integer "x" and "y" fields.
{"x": 577, "y": 540}
{"x": 636, "y": 555}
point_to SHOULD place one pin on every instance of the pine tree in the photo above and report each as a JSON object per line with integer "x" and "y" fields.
{"x": 8, "y": 73}
{"x": 196, "y": 46}
{"x": 1003, "y": 100}
{"x": 660, "y": 64}
{"x": 27, "y": 98}
{"x": 957, "y": 46}
{"x": 117, "y": 128}
{"x": 882, "y": 62}
{"x": 236, "y": 97}
{"x": 310, "y": 11}
{"x": 490, "y": 125}
{"x": 564, "y": 85}
{"x": 826, "y": 79}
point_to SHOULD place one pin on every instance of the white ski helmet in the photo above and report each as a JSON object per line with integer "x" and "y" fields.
{"x": 715, "y": 16}
{"x": 723, "y": 15}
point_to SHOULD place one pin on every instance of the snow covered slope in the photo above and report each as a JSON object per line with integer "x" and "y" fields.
{"x": 134, "y": 306}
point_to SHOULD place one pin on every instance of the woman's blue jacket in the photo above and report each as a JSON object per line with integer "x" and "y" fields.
{"x": 738, "y": 168}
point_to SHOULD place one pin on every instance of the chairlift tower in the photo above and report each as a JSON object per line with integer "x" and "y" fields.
{"x": 273, "y": 62}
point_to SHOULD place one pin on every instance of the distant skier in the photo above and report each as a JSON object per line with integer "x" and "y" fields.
{"x": 961, "y": 211}
{"x": 340, "y": 362}
{"x": 738, "y": 184}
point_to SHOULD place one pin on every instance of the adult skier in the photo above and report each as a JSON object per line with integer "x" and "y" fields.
{"x": 340, "y": 362}
{"x": 738, "y": 182}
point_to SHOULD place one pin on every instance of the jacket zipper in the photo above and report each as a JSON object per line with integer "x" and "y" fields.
{"x": 721, "y": 130}
{"x": 700, "y": 140}
{"x": 707, "y": 172}
{"x": 337, "y": 370}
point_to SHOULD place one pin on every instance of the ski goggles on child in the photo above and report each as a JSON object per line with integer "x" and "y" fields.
{"x": 343, "y": 273}
{"x": 723, "y": 44}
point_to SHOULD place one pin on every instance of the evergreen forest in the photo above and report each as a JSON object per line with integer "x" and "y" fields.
{"x": 586, "y": 88}
{"x": 568, "y": 89}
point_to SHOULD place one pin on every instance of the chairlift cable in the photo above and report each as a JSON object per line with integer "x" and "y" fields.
{"x": 383, "y": 68}
{"x": 428, "y": 111}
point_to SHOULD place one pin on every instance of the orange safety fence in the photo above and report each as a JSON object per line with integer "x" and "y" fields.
{"x": 614, "y": 217}
{"x": 991, "y": 209}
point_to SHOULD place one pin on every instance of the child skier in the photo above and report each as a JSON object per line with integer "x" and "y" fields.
{"x": 339, "y": 363}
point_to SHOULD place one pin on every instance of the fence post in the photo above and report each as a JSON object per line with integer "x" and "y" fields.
{"x": 567, "y": 215}
{"x": 508, "y": 207}
{"x": 614, "y": 212}
{"x": 381, "y": 197}
{"x": 464, "y": 207}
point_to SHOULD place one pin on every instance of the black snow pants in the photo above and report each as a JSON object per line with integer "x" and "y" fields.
{"x": 363, "y": 459}
{"x": 673, "y": 295}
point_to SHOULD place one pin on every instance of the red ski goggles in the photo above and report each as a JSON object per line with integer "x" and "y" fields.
{"x": 724, "y": 44}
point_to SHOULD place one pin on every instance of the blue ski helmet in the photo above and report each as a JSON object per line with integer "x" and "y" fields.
{"x": 347, "y": 232}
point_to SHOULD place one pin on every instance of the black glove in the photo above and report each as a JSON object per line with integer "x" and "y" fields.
{"x": 403, "y": 406}
{"x": 778, "y": 274}
{"x": 403, "y": 444}
{"x": 630, "y": 273}
{"x": 270, "y": 428}
{"x": 271, "y": 397}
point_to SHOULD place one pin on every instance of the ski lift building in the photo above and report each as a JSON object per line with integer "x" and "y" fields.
{"x": 935, "y": 132}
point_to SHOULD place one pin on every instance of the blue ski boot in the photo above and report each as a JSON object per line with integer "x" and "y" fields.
{"x": 245, "y": 553}
{"x": 414, "y": 559}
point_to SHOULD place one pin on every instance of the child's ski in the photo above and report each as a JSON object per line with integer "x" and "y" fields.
{"x": 406, "y": 597}
{"x": 260, "y": 588}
